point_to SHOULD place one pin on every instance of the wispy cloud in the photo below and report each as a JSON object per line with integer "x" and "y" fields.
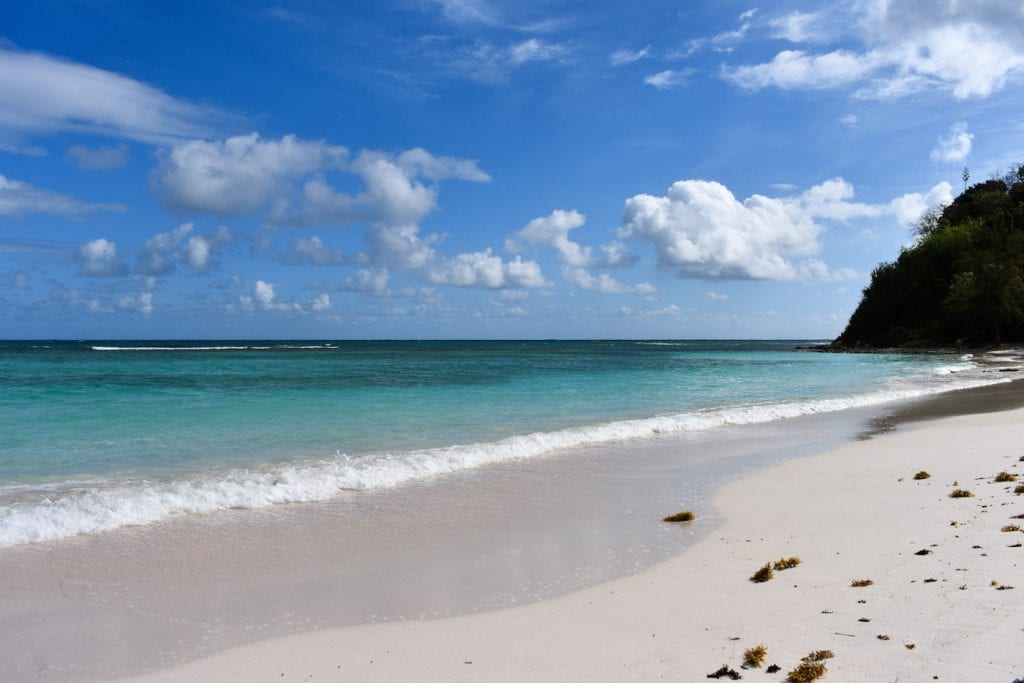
{"x": 18, "y": 198}
{"x": 668, "y": 79}
{"x": 44, "y": 95}
{"x": 624, "y": 56}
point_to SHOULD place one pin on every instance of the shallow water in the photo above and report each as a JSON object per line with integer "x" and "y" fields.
{"x": 100, "y": 435}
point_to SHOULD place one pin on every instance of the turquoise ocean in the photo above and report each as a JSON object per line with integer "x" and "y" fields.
{"x": 99, "y": 435}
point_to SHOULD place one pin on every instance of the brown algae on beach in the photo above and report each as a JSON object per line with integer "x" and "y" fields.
{"x": 961, "y": 493}
{"x": 861, "y": 583}
{"x": 755, "y": 656}
{"x": 807, "y": 672}
{"x": 922, "y": 475}
{"x": 1010, "y": 527}
{"x": 1004, "y": 477}
{"x": 786, "y": 563}
{"x": 684, "y": 516}
{"x": 763, "y": 574}
{"x": 1019, "y": 489}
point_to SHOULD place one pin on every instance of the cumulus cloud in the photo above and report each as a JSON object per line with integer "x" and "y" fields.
{"x": 266, "y": 298}
{"x": 553, "y": 231}
{"x": 162, "y": 252}
{"x": 241, "y": 174}
{"x": 967, "y": 49}
{"x": 321, "y": 303}
{"x": 699, "y": 228}
{"x": 955, "y": 146}
{"x": 624, "y": 56}
{"x": 99, "y": 258}
{"x": 717, "y": 296}
{"x": 18, "y": 198}
{"x": 245, "y": 175}
{"x": 143, "y": 303}
{"x": 44, "y": 94}
{"x": 603, "y": 282}
{"x": 668, "y": 79}
{"x": 313, "y": 251}
{"x": 373, "y": 281}
{"x": 99, "y": 158}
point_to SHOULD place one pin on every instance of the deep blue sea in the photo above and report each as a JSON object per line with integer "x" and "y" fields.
{"x": 97, "y": 435}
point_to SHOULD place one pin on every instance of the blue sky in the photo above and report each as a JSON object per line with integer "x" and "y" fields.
{"x": 483, "y": 169}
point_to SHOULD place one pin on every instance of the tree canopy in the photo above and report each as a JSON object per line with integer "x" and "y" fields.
{"x": 961, "y": 283}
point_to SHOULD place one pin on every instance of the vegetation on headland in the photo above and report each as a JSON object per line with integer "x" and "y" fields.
{"x": 960, "y": 284}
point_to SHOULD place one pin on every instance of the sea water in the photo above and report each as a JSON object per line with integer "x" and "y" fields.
{"x": 102, "y": 434}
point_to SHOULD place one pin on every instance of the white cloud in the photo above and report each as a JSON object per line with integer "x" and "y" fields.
{"x": 99, "y": 158}
{"x": 624, "y": 56}
{"x": 468, "y": 11}
{"x": 669, "y": 311}
{"x": 44, "y": 94}
{"x": 967, "y": 49}
{"x": 489, "y": 63}
{"x": 483, "y": 269}
{"x": 701, "y": 230}
{"x": 603, "y": 282}
{"x": 534, "y": 50}
{"x": 18, "y": 198}
{"x": 670, "y": 78}
{"x": 955, "y": 146}
{"x": 143, "y": 303}
{"x": 314, "y": 251}
{"x": 797, "y": 69}
{"x": 849, "y": 120}
{"x": 157, "y": 256}
{"x": 242, "y": 174}
{"x": 197, "y": 253}
{"x": 161, "y": 253}
{"x": 553, "y": 231}
{"x": 717, "y": 296}
{"x": 372, "y": 281}
{"x": 815, "y": 270}
{"x": 797, "y": 27}
{"x": 909, "y": 208}
{"x": 321, "y": 303}
{"x": 264, "y": 295}
{"x": 99, "y": 257}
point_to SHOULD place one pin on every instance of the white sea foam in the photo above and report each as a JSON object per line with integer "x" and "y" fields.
{"x": 103, "y": 508}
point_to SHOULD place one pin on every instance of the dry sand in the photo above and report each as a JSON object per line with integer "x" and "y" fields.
{"x": 852, "y": 513}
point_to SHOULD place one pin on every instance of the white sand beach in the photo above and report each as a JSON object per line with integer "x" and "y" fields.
{"x": 855, "y": 512}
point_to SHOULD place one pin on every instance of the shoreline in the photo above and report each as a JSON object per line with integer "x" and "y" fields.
{"x": 145, "y": 599}
{"x": 851, "y": 512}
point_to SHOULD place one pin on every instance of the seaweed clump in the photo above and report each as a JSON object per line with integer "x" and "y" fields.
{"x": 763, "y": 574}
{"x": 861, "y": 583}
{"x": 819, "y": 656}
{"x": 755, "y": 656}
{"x": 807, "y": 672}
{"x": 922, "y": 475}
{"x": 961, "y": 493}
{"x": 1003, "y": 477}
{"x": 684, "y": 516}
{"x": 786, "y": 563}
{"x": 726, "y": 672}
{"x": 1019, "y": 489}
{"x": 1010, "y": 527}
